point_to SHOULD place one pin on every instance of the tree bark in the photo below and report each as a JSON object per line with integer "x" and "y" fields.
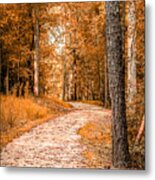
{"x": 116, "y": 73}
{"x": 36, "y": 54}
{"x": 132, "y": 84}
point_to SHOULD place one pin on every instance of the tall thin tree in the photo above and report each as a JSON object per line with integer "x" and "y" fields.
{"x": 36, "y": 53}
{"x": 116, "y": 73}
{"x": 132, "y": 84}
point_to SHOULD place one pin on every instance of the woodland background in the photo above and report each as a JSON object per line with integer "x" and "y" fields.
{"x": 57, "y": 52}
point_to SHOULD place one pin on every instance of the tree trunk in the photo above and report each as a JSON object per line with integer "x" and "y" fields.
{"x": 75, "y": 75}
{"x": 7, "y": 77}
{"x": 106, "y": 86}
{"x": 141, "y": 131}
{"x": 116, "y": 73}
{"x": 0, "y": 65}
{"x": 18, "y": 67}
{"x": 36, "y": 54}
{"x": 99, "y": 79}
{"x": 64, "y": 79}
{"x": 132, "y": 87}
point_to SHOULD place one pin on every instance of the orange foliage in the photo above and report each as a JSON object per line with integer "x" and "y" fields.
{"x": 96, "y": 133}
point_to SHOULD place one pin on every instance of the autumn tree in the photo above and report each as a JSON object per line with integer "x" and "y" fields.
{"x": 16, "y": 38}
{"x": 116, "y": 73}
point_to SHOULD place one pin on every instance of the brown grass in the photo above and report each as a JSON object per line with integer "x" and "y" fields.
{"x": 19, "y": 115}
{"x": 96, "y": 136}
{"x": 93, "y": 102}
{"x": 58, "y": 101}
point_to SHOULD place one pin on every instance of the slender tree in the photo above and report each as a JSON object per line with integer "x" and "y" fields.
{"x": 132, "y": 84}
{"x": 36, "y": 54}
{"x": 116, "y": 73}
{"x": 106, "y": 87}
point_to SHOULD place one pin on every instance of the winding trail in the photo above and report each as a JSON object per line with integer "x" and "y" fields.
{"x": 54, "y": 143}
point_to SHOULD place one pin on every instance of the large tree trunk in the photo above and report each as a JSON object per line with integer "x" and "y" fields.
{"x": 132, "y": 87}
{"x": 116, "y": 73}
{"x": 36, "y": 54}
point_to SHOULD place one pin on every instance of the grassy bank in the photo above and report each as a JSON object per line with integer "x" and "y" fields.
{"x": 19, "y": 115}
{"x": 97, "y": 138}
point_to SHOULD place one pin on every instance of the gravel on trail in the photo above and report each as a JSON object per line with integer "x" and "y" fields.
{"x": 55, "y": 143}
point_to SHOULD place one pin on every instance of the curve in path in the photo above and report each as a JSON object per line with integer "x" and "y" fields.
{"x": 54, "y": 143}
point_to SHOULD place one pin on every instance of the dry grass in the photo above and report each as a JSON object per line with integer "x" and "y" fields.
{"x": 19, "y": 115}
{"x": 58, "y": 101}
{"x": 93, "y": 102}
{"x": 16, "y": 111}
{"x": 96, "y": 136}
{"x": 96, "y": 133}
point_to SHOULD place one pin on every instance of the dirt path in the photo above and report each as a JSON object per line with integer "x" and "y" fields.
{"x": 54, "y": 143}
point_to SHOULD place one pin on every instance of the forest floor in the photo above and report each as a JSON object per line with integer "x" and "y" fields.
{"x": 79, "y": 139}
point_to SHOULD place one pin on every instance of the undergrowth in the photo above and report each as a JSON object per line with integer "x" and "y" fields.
{"x": 19, "y": 114}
